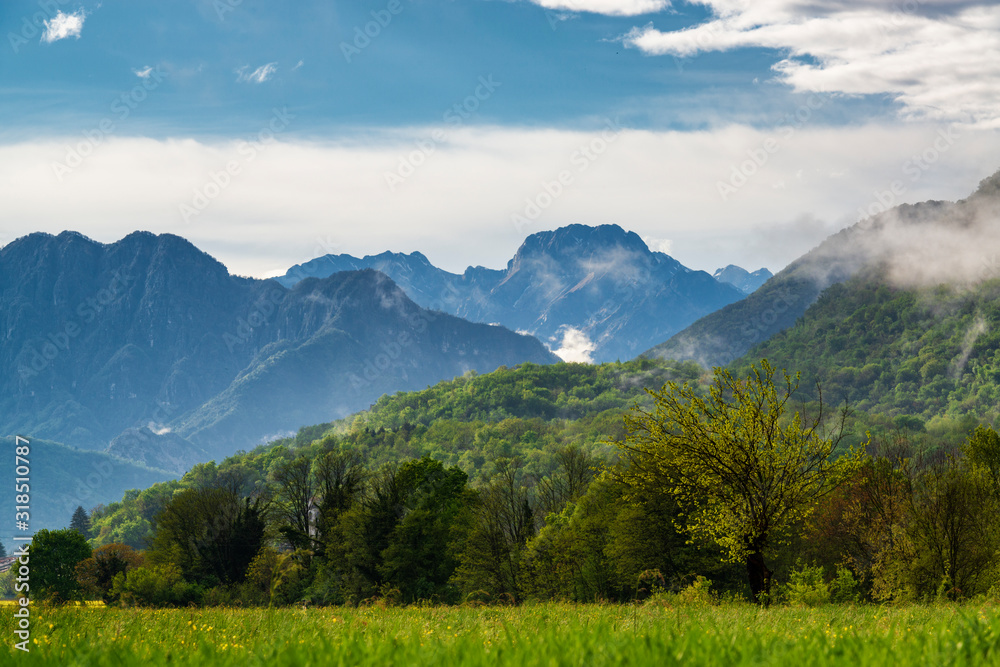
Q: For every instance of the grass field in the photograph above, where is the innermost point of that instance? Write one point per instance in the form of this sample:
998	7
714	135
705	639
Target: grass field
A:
549	634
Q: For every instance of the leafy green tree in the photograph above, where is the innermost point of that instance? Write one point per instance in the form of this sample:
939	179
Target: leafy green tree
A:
211	534
401	533
54	555
983	451
568	558
502	523
570	481
952	530
421	555
364	533
742	467
296	491
96	574
80	521
864	520
339	480
123	525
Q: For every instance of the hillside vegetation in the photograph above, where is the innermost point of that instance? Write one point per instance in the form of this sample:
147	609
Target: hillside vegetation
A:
933	241
927	358
529	412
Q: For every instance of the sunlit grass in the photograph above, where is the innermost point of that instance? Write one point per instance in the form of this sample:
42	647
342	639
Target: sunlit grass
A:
93	604
550	634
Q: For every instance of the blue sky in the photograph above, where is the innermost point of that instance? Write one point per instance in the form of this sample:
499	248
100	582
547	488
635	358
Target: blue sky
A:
558	68
124	114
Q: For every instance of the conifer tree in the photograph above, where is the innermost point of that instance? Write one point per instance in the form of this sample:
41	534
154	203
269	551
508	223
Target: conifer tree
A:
80	521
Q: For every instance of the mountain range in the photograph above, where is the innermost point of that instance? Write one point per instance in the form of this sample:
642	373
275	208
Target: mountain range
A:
151	333
589	293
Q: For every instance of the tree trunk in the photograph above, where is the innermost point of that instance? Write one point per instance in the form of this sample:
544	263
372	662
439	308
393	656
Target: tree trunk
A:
760	578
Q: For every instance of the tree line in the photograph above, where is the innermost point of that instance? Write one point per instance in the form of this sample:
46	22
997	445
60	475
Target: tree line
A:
732	482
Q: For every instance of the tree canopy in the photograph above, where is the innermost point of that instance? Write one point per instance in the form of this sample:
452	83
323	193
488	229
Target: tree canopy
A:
54	556
742	466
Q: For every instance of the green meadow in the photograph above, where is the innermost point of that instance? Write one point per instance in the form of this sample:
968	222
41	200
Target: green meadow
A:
542	634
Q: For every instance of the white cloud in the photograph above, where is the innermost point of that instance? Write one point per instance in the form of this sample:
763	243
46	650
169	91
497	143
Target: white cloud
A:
298	65
63	26
607	7
259	75
937	60
659	245
144	72
295	199
576	347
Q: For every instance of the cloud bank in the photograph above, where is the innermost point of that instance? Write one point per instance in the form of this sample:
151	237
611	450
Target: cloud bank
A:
937	60
266	203
939	243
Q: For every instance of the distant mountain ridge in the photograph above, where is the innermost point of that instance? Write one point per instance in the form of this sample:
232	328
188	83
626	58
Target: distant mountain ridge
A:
152	332
932	242
741	279
601	285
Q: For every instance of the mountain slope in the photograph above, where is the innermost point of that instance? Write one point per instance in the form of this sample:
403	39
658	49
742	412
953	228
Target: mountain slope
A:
344	341
590	292
927	353
63	478
932	242
915	334
151	332
423	282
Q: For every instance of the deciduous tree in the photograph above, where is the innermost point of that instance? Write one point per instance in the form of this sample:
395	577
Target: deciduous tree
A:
96	574
53	556
211	534
743	466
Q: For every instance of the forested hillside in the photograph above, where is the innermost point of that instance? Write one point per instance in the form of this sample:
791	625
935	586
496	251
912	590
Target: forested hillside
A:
529	412
926	244
927	358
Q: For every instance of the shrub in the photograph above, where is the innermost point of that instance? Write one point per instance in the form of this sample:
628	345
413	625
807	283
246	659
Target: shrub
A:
698	592
806	586
844	588
157	586
649	583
